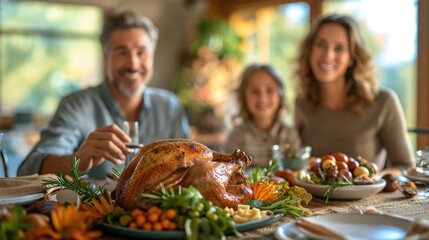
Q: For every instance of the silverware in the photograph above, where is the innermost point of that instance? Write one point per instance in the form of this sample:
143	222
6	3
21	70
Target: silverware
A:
318	229
134	146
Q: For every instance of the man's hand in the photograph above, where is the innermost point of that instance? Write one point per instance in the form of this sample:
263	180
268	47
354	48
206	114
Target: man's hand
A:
107	143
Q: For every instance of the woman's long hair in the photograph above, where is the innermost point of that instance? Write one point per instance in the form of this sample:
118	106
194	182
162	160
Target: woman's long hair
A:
361	82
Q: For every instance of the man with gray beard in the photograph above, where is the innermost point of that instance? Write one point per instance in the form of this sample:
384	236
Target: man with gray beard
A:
88	123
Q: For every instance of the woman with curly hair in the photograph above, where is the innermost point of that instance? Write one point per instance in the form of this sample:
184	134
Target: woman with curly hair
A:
340	107
259	124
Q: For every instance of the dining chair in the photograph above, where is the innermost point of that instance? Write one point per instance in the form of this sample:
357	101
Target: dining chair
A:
419	130
3	157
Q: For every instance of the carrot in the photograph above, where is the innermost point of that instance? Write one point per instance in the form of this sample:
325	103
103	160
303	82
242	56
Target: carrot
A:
140	220
173	226
136	212
170	214
165	224
157	226
133	225
153	217
147	226
154	209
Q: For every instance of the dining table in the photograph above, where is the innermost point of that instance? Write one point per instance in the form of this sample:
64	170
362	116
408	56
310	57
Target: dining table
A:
396	204
390	203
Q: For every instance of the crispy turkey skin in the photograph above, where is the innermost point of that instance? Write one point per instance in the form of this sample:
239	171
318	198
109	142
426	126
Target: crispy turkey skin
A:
181	162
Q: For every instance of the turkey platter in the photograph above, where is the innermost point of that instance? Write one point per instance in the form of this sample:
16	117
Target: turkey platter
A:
180	162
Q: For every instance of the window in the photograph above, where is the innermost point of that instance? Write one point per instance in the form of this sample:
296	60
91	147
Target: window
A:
392	38
272	34
47	50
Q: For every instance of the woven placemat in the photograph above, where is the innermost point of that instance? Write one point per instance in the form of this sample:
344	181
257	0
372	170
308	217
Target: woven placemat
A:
393	203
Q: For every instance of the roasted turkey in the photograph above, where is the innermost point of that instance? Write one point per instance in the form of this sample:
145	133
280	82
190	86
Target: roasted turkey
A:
180	162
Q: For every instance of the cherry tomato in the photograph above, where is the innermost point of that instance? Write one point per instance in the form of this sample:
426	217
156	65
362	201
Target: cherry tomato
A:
352	164
328	157
345	174
315	167
342	165
312	160
341	157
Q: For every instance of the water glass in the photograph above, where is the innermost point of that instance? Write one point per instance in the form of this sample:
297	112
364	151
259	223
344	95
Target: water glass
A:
131	128
3	158
291	158
422	161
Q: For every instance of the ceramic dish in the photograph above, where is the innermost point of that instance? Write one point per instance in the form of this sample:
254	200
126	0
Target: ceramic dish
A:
22	200
352	226
345	192
415	176
138	233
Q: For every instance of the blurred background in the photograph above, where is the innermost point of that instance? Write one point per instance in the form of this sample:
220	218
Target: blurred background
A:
49	48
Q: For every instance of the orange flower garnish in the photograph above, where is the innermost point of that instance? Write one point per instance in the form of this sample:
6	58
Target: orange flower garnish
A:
99	209
104	205
68	223
93	215
265	191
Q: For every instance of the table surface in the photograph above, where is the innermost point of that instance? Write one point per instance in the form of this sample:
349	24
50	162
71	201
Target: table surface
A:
393	203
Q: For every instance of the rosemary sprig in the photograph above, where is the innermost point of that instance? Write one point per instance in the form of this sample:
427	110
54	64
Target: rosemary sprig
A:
86	190
333	187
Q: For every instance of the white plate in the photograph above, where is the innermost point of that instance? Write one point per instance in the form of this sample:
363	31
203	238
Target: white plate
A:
22	200
411	175
344	192
354	226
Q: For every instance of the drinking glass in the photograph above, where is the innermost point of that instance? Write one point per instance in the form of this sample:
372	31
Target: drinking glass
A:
3	157
291	158
131	128
422	161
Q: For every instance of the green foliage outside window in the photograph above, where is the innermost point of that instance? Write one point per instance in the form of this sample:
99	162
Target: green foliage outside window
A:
206	80
47	50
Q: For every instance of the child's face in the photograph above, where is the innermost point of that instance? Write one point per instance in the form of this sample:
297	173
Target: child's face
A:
262	96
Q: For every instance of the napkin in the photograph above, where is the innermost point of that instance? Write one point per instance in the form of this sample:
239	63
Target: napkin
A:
418	230
319	230
21	186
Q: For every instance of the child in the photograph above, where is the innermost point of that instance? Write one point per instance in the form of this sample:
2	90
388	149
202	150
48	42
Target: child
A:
261	100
